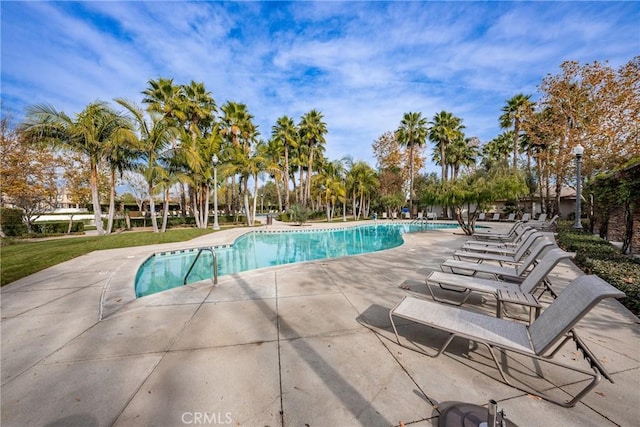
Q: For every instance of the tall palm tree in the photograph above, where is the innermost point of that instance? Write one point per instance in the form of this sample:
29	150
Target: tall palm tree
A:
162	97
312	130
120	154
238	130
445	130
155	135
411	133
285	133
93	129
512	115
462	152
497	150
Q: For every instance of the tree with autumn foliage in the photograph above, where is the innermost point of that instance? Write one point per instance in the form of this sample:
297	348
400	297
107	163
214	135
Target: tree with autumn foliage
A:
28	175
593	105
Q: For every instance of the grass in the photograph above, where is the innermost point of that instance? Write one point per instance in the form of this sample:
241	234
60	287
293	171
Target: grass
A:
21	258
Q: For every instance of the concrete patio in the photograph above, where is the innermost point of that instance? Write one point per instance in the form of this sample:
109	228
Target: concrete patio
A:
306	344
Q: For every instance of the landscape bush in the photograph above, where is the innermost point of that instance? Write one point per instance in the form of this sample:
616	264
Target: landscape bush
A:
595	255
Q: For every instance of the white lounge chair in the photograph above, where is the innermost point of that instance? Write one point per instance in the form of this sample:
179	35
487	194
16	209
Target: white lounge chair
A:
540	341
544	225
511	234
535	243
516	273
500	247
523	292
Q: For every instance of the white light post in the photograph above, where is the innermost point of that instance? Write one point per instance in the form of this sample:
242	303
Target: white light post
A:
216	226
262	203
578	150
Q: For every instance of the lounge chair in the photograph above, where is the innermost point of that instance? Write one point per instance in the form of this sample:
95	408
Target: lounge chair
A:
511	217
526	217
516	273
535	243
542	217
501	290
501	247
511	234
481	217
544	225
496	217
540	341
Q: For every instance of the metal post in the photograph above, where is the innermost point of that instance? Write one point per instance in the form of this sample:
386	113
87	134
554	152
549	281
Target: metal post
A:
578	151
216	226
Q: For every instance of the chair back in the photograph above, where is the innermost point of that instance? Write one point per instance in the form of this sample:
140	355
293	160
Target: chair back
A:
564	312
543	268
526	217
531	236
533	256
542	217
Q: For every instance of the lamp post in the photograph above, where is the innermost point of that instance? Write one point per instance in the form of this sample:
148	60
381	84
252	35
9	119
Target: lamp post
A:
216	226
578	150
262	203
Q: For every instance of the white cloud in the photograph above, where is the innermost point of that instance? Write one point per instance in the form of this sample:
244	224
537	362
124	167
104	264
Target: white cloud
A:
362	64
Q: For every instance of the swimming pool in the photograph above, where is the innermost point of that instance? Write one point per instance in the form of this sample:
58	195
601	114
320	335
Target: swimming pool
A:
260	249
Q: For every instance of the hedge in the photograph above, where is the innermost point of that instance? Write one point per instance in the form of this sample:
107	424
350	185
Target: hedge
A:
595	255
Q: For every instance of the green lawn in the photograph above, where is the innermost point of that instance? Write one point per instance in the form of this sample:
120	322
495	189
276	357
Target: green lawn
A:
19	258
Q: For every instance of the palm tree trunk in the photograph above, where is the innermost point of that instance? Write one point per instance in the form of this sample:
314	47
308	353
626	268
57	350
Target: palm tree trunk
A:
112	201
97	211
285	181
307	191
516	131
165	211
279	194
255	198
152	210
246	203
194	205
411	180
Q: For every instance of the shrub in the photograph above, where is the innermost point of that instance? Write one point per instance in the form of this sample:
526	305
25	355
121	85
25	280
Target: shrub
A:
597	256
11	222
300	214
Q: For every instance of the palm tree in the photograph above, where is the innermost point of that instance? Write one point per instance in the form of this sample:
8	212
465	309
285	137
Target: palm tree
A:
445	130
312	130
155	135
497	150
362	181
120	154
462	152
286	134
412	132
237	129
94	128
513	113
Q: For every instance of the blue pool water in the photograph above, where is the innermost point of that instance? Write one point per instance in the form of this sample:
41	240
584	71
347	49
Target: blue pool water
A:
265	249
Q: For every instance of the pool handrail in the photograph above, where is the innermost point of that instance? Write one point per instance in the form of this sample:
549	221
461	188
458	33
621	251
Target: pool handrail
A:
193	263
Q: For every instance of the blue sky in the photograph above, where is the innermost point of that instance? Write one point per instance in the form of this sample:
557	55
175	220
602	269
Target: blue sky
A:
362	64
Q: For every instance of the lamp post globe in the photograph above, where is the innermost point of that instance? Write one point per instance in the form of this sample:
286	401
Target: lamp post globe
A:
215	160
578	151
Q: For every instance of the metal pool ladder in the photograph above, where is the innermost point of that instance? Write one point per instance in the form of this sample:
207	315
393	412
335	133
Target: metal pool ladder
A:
193	263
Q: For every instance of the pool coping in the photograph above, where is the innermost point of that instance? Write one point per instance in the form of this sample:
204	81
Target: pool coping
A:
119	295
